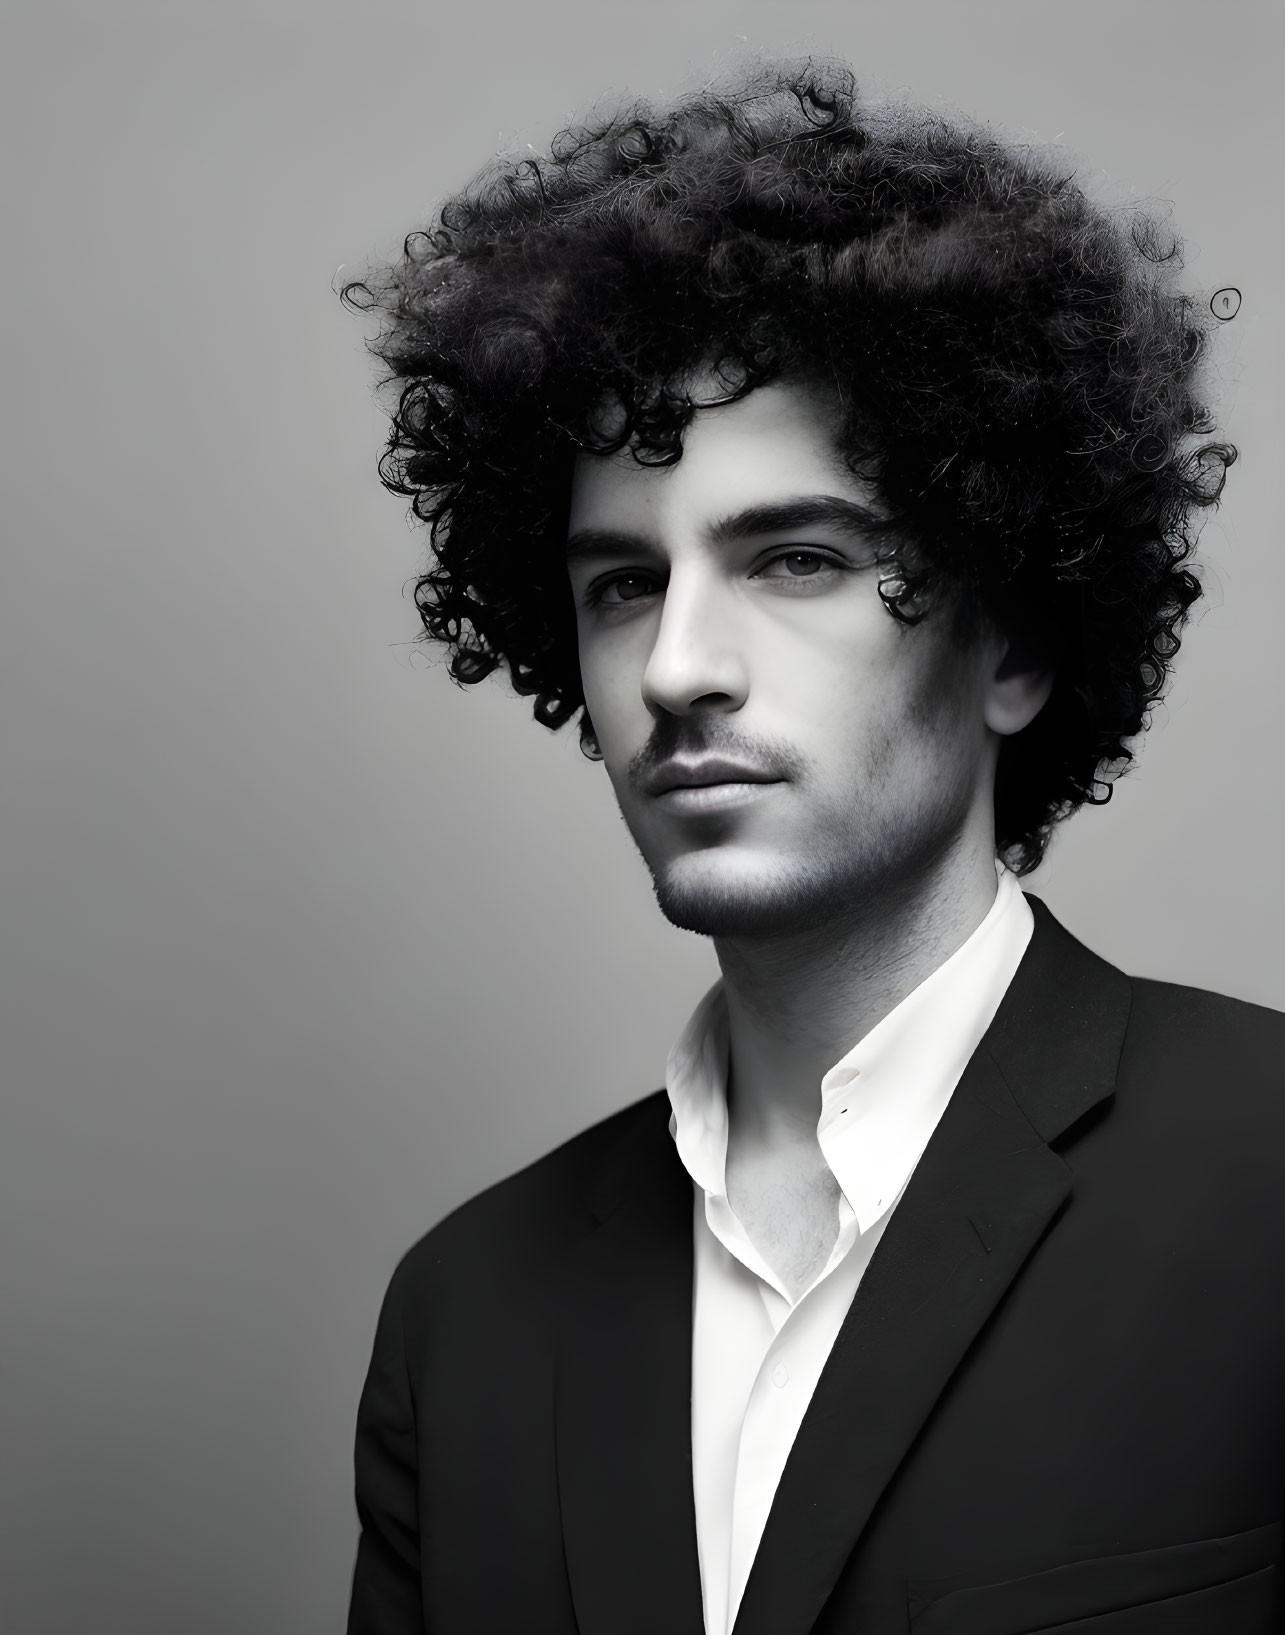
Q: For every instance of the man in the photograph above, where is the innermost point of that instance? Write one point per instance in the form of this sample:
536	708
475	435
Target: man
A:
840	467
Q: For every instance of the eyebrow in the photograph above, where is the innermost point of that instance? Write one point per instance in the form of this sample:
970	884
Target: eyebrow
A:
777	517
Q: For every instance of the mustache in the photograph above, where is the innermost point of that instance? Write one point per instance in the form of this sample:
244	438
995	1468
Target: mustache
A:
691	738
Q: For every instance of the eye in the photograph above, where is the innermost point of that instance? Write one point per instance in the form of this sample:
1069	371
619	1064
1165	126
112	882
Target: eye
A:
614	589
799	564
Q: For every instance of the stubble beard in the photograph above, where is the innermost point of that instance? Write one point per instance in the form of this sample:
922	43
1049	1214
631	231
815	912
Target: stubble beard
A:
861	851
793	900
859	857
853	862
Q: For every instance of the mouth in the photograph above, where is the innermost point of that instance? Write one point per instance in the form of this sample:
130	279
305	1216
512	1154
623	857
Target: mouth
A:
673	776
694	799
695	788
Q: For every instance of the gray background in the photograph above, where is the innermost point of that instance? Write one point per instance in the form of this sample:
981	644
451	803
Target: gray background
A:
302	945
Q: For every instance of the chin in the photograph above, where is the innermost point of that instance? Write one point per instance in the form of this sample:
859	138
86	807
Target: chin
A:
716	904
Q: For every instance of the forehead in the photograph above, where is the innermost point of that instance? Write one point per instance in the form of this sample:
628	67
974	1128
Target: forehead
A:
778	440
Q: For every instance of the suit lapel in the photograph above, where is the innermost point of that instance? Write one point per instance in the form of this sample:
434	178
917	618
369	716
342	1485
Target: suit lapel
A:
983	1195
623	1397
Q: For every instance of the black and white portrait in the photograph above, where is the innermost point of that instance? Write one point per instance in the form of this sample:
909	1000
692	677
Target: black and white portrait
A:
643	889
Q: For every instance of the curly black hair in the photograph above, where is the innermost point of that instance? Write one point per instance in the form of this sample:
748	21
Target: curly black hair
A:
1016	369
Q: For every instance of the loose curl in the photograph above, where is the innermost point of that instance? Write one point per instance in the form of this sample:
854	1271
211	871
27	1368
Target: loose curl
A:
1016	369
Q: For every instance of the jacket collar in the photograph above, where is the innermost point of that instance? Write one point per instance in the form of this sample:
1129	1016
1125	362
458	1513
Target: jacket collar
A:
623	1395
1058	1034
986	1190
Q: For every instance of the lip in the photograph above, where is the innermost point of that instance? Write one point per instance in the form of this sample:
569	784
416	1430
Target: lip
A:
712	772
696	798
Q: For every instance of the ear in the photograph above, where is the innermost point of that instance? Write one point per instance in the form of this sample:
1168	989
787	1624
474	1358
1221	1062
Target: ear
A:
1018	687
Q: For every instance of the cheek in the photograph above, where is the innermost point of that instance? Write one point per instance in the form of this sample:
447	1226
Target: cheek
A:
943	685
892	711
853	696
612	690
595	670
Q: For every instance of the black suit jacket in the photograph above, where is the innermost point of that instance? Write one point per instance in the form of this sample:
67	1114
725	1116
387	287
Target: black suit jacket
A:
1056	1404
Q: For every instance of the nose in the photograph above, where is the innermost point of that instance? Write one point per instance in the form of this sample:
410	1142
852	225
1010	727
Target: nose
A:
697	661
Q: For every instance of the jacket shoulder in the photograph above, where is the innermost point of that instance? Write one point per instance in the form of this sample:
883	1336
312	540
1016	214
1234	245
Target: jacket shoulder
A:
1194	1019
521	1219
1207	1074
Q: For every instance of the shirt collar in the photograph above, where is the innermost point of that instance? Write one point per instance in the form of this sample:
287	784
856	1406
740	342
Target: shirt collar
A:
881	1101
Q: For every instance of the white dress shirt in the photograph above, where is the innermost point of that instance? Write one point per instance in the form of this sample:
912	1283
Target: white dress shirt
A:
757	1354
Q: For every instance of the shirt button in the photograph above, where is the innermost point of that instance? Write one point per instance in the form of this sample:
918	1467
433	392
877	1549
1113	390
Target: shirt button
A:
780	1375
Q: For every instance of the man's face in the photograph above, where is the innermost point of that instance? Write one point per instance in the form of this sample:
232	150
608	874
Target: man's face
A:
783	750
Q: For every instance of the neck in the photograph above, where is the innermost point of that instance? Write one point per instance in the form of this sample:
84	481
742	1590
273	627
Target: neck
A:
799	1001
